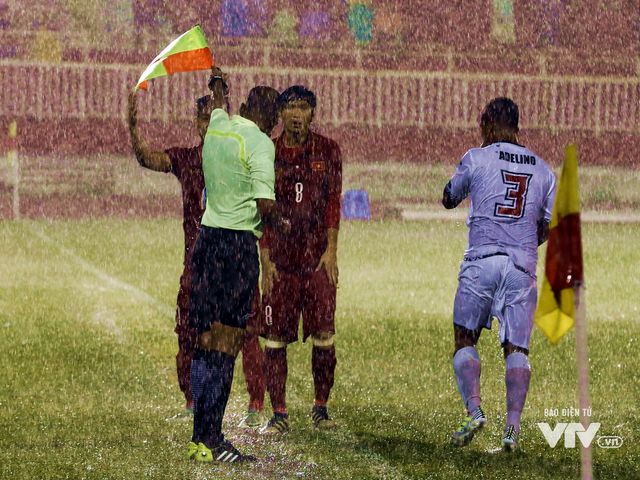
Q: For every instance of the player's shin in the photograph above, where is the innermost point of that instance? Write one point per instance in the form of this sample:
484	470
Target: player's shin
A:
517	376
466	365
253	365
323	365
276	374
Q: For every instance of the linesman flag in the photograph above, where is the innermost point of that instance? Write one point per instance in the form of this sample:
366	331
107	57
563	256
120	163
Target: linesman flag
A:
555	315
187	53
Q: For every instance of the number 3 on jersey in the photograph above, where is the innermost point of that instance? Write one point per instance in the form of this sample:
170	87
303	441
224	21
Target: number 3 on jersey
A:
299	188
515	196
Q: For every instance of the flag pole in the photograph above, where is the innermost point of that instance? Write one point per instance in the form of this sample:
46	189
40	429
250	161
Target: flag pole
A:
15	166
582	359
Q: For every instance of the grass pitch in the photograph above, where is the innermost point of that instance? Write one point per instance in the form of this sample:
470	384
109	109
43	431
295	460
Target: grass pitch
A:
88	378
391	183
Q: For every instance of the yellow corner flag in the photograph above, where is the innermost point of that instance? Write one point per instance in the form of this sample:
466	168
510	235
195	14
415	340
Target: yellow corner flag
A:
187	53
555	315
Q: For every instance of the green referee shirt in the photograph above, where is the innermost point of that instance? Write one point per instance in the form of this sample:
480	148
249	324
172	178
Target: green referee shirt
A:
238	165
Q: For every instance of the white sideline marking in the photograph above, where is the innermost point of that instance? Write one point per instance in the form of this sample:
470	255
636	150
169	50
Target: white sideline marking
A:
110	280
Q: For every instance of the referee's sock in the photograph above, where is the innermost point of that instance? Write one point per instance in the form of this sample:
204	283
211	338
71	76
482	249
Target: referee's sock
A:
211	379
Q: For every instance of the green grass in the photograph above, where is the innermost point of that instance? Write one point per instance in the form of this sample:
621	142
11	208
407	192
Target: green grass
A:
88	377
601	188
390	183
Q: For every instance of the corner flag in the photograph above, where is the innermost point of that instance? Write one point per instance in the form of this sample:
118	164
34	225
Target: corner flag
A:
187	53
556	314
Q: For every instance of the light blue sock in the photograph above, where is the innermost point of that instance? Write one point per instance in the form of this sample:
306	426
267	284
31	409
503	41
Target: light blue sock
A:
517	376
466	365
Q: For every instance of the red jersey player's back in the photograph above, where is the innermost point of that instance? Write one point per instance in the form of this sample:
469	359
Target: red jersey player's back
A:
186	165
308	188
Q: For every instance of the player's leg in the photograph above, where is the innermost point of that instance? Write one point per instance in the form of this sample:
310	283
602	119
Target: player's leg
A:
477	282
187	338
517	323
318	314
253	367
467	366
280	315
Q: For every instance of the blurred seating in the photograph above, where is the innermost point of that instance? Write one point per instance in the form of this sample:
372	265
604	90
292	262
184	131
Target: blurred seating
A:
596	37
5	16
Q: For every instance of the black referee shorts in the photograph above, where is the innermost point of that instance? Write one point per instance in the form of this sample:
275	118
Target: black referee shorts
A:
225	272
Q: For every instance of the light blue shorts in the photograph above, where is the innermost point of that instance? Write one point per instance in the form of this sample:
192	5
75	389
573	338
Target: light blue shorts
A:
494	287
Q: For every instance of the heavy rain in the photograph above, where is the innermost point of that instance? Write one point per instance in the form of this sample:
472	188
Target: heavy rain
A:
409	173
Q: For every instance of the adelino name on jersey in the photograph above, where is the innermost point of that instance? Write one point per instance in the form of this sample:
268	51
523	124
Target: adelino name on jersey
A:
517	158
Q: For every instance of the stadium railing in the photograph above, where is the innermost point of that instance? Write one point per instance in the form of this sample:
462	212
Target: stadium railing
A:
382	98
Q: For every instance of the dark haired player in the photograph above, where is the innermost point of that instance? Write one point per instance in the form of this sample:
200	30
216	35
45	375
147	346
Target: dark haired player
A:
186	165
300	271
512	191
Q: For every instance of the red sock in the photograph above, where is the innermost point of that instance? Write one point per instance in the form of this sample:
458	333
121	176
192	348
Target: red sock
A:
276	373
253	367
183	364
323	365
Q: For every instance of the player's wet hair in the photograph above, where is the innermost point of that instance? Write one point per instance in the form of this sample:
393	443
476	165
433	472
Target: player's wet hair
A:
296	92
502	113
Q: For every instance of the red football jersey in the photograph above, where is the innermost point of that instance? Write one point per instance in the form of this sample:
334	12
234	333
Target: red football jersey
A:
186	165
308	188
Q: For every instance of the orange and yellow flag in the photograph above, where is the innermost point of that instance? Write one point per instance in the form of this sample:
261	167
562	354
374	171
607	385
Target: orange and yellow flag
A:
187	53
555	314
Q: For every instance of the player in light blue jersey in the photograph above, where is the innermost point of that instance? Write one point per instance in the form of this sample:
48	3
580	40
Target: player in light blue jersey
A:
511	191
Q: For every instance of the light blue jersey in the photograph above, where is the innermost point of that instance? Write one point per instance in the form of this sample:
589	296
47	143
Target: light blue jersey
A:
511	190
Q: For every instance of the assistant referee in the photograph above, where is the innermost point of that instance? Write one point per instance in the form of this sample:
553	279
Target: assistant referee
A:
238	165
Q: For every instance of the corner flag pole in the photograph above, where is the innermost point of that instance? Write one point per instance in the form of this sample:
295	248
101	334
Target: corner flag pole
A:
562	304
14	161
582	359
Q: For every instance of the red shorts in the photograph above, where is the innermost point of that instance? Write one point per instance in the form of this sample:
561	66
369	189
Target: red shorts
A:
310	295
186	335
253	324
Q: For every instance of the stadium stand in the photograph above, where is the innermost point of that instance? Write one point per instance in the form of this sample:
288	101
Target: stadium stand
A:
428	67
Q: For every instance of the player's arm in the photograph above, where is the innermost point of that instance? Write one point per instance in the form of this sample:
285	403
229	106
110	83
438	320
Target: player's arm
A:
543	223
155	160
269	270
329	259
219	89
458	187
448	200
543	231
271	217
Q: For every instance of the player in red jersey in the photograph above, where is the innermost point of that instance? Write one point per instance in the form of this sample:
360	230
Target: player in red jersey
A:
186	165
299	269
